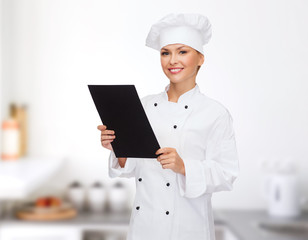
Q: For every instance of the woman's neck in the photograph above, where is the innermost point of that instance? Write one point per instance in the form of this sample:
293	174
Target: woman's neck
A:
177	89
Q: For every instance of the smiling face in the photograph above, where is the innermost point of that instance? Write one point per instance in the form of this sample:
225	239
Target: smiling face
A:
180	62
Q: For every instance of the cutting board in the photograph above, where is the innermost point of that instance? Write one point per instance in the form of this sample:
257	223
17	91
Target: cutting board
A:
59	214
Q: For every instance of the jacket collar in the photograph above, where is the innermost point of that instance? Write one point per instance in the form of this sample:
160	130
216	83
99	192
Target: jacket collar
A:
185	96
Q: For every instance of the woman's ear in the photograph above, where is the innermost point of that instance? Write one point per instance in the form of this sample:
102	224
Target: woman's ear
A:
201	61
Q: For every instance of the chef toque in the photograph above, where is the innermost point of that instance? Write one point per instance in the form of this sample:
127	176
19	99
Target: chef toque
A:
191	29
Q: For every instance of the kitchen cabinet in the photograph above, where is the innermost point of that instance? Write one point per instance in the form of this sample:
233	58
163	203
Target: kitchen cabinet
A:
46	232
34	232
82	231
229	225
86	226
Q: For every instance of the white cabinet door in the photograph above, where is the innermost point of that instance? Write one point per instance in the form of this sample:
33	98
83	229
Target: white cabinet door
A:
36	232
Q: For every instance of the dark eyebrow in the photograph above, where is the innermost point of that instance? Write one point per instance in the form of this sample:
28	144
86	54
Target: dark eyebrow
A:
176	49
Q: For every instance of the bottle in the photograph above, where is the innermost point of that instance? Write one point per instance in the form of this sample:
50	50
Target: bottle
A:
10	139
22	120
20	115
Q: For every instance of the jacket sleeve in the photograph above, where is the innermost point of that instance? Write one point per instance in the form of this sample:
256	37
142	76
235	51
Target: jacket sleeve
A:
115	170
220	167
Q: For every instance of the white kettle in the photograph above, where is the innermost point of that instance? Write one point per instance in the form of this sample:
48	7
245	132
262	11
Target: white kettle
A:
282	193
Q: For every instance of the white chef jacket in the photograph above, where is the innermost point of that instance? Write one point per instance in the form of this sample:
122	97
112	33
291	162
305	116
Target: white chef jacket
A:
169	205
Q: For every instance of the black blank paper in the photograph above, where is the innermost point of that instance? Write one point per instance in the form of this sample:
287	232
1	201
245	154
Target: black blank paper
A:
121	110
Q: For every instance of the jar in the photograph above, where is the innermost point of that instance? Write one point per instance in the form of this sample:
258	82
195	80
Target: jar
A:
76	195
118	197
97	197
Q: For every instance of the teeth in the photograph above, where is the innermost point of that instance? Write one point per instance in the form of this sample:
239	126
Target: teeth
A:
175	70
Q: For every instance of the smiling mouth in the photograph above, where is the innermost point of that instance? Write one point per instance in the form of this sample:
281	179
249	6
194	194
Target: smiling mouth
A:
175	70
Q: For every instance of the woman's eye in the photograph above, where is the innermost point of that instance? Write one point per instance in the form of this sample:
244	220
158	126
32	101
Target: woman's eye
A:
183	52
164	53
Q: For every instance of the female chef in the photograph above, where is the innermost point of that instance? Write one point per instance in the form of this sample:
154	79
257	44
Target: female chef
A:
198	154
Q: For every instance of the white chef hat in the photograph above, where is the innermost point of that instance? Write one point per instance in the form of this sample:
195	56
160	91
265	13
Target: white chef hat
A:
191	29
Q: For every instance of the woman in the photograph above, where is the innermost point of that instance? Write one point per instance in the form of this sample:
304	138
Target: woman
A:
198	154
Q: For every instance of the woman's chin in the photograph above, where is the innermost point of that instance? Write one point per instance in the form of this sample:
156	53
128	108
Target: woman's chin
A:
176	80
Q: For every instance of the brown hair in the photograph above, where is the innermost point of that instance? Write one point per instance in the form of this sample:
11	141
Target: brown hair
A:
198	68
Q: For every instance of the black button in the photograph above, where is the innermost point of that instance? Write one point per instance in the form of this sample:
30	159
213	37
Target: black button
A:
167	212
168	184
174	126
155	104
140	179
186	106
137	207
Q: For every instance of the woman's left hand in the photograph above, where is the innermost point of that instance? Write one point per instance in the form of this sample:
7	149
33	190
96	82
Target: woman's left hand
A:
171	159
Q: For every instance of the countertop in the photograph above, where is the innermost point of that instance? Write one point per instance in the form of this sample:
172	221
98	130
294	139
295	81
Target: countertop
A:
243	223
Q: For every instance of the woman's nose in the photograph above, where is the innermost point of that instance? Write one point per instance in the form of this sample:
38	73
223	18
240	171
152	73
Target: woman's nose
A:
173	59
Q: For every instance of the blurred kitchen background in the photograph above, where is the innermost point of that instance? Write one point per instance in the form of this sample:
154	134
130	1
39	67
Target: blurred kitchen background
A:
255	64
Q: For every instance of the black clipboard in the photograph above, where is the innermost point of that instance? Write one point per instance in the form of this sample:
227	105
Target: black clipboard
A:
121	110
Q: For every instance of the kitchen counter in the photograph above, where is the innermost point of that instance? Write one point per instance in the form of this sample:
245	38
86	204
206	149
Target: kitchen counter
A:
243	224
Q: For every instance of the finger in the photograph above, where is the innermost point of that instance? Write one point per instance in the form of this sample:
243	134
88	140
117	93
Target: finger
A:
167	166
164	150
106	142
107	133
101	127
166	161
158	151
164	156
107	137
111	132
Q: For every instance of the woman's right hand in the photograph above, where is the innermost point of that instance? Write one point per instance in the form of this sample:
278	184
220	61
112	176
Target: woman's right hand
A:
107	136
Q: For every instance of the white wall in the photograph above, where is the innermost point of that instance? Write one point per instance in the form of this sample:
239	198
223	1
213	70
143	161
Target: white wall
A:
1	88
256	65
